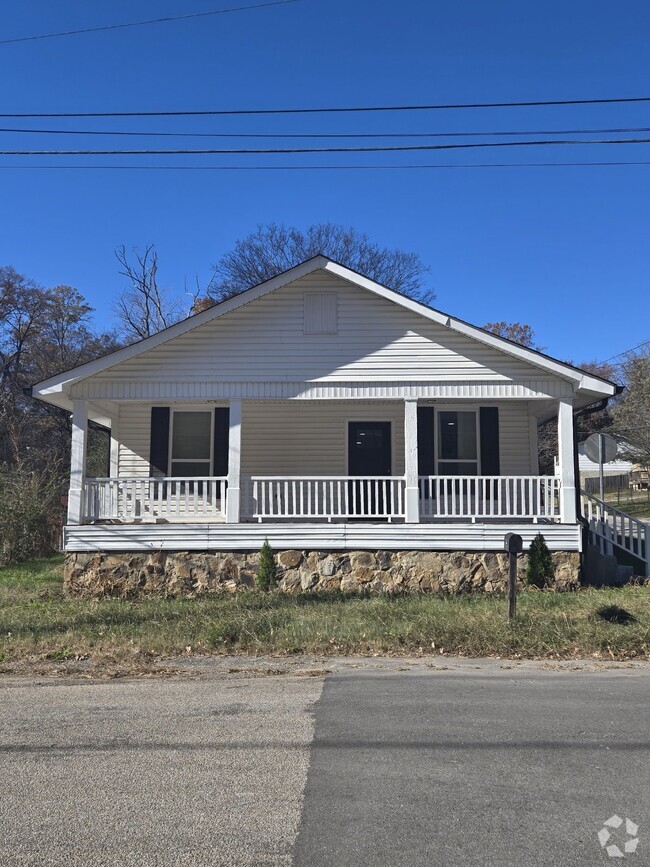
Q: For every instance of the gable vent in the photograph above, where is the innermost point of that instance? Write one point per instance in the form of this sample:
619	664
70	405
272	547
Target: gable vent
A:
320	313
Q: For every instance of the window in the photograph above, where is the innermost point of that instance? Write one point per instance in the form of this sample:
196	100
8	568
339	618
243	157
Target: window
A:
457	443
320	313
191	443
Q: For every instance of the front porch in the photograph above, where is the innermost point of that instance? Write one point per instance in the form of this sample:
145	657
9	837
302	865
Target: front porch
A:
342	472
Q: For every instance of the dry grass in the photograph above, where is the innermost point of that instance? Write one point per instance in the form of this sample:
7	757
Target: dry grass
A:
41	629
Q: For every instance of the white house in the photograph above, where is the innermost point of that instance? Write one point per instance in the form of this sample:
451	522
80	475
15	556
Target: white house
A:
322	411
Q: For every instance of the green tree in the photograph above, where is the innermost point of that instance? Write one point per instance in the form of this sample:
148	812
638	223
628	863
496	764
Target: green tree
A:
267	569
540	570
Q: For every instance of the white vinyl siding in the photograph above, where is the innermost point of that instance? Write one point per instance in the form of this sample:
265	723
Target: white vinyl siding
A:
310	437
376	341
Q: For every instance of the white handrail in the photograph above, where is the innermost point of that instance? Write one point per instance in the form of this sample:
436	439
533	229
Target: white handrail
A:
473	497
323	497
135	497
611	527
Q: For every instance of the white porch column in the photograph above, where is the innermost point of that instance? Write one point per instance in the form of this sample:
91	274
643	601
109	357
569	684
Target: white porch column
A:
115	446
77	461
412	496
565	437
233	497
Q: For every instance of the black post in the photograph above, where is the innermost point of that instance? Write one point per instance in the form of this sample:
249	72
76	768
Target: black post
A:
512	587
513	543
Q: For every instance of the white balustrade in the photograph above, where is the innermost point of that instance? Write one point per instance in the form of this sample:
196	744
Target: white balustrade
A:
609	527
481	497
128	499
323	497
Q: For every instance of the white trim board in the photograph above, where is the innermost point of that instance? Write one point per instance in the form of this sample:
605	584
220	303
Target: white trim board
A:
320	537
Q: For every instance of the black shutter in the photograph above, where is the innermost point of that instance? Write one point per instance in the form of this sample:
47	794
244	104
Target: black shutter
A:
490	465
159	442
426	454
221	437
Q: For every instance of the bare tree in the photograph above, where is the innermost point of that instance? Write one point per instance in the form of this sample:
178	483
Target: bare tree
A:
272	249
631	416
516	331
144	308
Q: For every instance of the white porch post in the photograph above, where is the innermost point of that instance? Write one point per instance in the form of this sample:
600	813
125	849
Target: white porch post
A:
233	497
412	494
77	461
115	446
565	437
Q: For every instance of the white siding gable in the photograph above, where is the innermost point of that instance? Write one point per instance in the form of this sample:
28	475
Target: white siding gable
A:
375	340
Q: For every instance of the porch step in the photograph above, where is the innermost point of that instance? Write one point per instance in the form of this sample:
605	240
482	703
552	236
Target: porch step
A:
604	570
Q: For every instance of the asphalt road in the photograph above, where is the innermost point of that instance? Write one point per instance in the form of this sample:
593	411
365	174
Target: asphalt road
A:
379	763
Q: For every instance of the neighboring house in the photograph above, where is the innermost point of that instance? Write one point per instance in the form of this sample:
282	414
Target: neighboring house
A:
324	412
589	469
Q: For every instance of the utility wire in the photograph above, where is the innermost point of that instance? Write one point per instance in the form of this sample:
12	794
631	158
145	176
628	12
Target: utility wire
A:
337	135
318	150
269	168
627	351
143	23
334	110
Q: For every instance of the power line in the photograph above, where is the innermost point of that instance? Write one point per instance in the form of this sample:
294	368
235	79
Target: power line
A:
318	150
268	168
334	110
143	23
337	135
627	351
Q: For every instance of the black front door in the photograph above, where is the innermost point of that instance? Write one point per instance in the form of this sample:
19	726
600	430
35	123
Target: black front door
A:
369	454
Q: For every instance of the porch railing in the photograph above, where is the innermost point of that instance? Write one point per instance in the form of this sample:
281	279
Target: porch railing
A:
612	529
323	497
139	498
474	497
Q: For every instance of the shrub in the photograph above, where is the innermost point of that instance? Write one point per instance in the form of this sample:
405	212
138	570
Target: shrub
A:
30	523
267	577
540	570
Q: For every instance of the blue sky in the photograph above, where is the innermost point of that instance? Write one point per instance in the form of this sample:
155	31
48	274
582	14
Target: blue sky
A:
564	249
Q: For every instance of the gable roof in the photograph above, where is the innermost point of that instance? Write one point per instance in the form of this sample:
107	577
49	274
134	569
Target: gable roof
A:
583	380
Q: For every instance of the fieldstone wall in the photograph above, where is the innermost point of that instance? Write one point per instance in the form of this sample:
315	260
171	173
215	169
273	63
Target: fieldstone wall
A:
193	574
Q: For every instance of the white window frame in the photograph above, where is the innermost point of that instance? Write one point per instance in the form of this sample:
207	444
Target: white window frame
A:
171	459
437	438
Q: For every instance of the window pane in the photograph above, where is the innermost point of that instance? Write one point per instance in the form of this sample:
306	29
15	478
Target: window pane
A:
189	468
457	468
457	435
191	437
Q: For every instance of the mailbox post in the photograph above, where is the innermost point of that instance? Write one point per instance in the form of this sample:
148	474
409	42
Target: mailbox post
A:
514	545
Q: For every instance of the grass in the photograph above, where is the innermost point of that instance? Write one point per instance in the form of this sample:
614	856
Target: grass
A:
40	625
635	503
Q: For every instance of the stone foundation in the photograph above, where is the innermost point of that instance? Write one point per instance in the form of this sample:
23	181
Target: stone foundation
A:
191	574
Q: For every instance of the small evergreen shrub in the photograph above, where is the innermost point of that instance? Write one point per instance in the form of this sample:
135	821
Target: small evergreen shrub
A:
267	573
540	570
